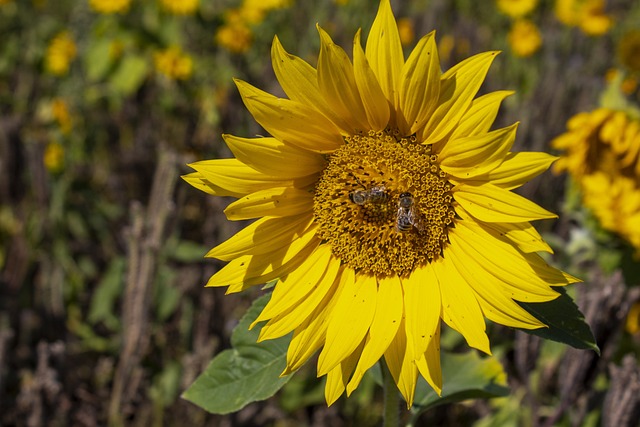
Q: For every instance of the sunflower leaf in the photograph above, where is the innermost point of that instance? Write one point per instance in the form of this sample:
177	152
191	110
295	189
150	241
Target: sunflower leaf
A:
248	372
566	322
465	376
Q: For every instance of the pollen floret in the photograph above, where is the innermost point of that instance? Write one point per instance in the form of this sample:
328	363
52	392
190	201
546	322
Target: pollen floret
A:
365	235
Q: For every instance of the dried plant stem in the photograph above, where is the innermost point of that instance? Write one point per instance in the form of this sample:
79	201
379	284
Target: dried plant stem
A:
145	236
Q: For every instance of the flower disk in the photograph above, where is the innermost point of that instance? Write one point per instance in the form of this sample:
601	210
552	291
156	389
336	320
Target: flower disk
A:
383	209
366	236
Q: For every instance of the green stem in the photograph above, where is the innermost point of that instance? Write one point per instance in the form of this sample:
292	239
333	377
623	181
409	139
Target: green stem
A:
391	398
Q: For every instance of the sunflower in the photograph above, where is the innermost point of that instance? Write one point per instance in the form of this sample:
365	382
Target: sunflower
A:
109	7
601	151
524	38
516	8
180	7
384	206
61	52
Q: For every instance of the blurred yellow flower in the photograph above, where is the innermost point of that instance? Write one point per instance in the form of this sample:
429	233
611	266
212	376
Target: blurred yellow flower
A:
236	34
405	28
108	7
61	51
629	51
524	38
2	2
601	152
246	15
173	63
180	7
53	158
236	38
633	319
61	115
615	200
516	8
588	15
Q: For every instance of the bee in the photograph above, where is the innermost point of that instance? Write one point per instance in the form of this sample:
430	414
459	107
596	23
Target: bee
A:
406	218
375	195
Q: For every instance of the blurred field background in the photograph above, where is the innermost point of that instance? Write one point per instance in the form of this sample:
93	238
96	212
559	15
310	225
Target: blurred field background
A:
104	319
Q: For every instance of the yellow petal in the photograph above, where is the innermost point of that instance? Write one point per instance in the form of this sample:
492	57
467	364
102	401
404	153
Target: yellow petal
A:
373	98
273	202
350	321
480	116
400	360
337	378
517	169
238	179
429	365
521	234
422	307
310	335
384	52
495	305
457	88
468	157
299	80
275	158
198	181
383	329
338	84
509	267
262	237
460	309
291	121
291	289
419	86
489	203
249	270
293	317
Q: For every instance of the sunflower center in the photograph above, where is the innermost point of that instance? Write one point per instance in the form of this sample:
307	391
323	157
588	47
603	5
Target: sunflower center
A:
383	204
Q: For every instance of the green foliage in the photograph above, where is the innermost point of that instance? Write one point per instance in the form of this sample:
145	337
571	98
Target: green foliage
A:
566	322
466	376
246	373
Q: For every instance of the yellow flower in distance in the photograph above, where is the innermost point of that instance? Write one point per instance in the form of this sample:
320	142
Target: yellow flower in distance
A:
516	8
383	206
633	319
405	29
180	7
61	115
601	152
53	158
61	51
524	38
108	7
235	37
588	15
173	63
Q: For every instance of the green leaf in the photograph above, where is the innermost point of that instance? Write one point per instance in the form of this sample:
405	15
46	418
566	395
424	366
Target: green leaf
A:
566	322
188	251
465	376
106	295
130	75
248	372
166	294
98	59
